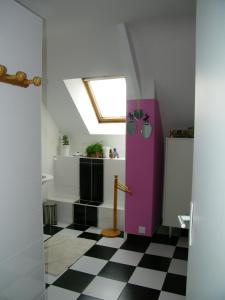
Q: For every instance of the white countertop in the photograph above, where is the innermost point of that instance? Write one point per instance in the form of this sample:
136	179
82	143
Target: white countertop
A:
78	156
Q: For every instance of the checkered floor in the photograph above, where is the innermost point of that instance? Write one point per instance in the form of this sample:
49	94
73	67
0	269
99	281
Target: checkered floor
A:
137	268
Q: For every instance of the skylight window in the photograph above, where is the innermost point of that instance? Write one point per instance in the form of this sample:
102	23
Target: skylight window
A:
108	98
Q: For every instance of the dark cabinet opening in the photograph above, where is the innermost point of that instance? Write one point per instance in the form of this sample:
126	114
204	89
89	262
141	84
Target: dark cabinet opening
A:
91	179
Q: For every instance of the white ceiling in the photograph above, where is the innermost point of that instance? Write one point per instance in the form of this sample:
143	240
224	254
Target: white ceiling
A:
115	11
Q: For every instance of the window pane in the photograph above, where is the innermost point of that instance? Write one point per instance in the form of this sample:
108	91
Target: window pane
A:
110	95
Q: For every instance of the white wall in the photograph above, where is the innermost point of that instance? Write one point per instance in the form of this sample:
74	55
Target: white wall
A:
206	271
50	146
50	139
21	254
83	40
86	50
49	129
165	51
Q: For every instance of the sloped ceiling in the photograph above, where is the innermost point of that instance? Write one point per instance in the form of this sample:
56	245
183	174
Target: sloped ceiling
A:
114	11
82	40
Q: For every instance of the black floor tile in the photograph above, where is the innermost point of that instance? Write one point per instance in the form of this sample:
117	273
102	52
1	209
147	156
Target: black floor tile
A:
78	227
175	284
101	252
117	271
136	243
74	281
165	239
51	230
155	262
84	297
181	253
135	292
90	236
184	232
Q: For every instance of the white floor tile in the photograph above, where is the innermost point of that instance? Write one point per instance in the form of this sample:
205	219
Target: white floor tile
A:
178	266
111	242
56	293
160	250
169	296
183	242
70	232
148	278
89	265
94	230
104	288
127	257
46	236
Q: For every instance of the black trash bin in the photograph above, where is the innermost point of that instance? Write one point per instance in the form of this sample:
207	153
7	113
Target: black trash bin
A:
50	212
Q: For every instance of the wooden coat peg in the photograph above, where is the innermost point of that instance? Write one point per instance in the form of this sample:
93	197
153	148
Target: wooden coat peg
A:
19	79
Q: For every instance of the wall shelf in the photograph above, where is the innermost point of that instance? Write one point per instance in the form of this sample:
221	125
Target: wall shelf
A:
62	199
18	79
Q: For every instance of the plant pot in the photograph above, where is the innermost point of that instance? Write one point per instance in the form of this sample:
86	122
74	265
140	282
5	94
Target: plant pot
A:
66	150
98	154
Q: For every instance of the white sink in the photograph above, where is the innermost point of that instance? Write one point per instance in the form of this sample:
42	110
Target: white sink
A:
46	177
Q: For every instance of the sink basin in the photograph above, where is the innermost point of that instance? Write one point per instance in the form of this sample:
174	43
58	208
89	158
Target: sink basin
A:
46	177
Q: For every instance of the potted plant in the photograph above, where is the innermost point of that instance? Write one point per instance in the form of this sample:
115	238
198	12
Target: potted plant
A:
98	150
95	150
89	150
65	145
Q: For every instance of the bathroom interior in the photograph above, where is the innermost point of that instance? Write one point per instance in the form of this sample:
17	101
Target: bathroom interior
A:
111	129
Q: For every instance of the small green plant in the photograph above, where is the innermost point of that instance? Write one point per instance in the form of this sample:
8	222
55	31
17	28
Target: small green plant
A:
65	140
97	147
94	148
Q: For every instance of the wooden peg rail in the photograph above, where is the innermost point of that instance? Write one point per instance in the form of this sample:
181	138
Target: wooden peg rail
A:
19	79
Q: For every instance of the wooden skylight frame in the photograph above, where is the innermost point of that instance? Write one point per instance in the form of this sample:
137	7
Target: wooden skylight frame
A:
97	110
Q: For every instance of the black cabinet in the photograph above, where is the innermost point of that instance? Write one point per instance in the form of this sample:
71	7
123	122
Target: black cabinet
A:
79	214
85	179
97	181
91	179
85	214
91	192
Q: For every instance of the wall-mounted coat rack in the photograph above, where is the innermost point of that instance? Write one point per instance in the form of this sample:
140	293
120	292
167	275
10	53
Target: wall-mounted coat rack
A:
19	79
